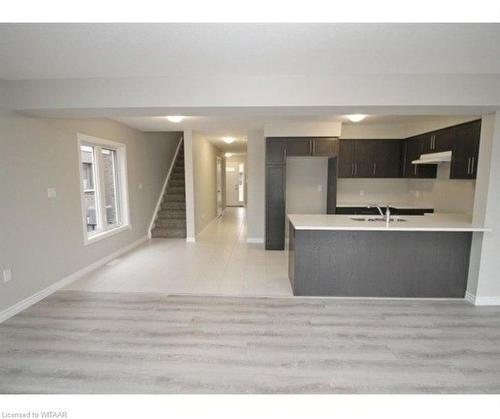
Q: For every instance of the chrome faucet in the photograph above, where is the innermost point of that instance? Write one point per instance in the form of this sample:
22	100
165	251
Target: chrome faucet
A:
387	215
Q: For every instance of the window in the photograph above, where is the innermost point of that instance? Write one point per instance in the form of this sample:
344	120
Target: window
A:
103	181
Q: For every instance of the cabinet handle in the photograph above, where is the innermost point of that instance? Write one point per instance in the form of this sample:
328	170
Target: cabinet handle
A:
310	147
472	166
314	146
415	169
433	142
374	168
355	168
284	154
468	166
352	169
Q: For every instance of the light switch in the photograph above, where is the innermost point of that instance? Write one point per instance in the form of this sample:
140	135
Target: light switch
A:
361	192
51	193
140	185
320	188
7	275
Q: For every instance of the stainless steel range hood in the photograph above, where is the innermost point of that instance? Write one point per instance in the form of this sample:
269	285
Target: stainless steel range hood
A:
434	158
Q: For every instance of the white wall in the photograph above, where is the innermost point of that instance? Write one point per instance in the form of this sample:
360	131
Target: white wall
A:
358	93
256	162
366	191
484	278
302	129
41	239
445	194
306	185
205	181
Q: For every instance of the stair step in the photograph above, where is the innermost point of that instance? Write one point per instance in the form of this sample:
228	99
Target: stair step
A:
176	183
168	233
174	205
177	176
172	214
175	190
171	223
177	197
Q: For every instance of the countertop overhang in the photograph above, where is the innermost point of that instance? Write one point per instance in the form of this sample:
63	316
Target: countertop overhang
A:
431	222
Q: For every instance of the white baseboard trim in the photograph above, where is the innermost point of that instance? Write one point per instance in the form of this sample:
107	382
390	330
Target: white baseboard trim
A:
482	301
470	298
255	240
191	239
487	301
40	295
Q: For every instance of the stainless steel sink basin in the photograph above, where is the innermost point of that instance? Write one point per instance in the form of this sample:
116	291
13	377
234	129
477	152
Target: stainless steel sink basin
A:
378	219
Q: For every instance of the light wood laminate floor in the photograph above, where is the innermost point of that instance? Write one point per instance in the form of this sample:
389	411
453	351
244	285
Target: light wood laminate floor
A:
96	342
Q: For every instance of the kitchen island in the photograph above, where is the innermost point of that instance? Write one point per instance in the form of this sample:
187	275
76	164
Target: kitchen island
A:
361	256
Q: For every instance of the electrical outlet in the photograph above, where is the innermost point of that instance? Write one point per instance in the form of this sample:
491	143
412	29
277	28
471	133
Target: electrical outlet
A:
7	275
361	192
51	193
140	185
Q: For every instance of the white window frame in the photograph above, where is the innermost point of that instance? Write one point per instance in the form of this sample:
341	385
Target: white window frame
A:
122	192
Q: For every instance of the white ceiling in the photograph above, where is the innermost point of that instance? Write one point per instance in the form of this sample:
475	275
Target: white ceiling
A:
71	51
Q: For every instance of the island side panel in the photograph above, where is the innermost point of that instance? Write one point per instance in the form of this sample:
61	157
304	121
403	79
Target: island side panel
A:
381	264
291	253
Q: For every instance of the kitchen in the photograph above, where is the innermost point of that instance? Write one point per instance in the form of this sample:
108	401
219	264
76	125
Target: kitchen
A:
382	209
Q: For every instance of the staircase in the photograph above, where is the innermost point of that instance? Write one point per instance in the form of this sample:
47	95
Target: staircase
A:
171	218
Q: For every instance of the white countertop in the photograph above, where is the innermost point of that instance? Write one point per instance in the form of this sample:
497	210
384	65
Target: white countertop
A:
400	205
429	222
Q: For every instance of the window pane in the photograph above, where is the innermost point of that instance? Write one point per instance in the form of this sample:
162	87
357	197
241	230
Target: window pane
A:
91	204
110	181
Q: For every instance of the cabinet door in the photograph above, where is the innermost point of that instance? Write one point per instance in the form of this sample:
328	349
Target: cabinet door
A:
364	158
413	150
345	161
387	159
475	148
426	143
275	207
325	147
298	147
444	140
465	151
275	150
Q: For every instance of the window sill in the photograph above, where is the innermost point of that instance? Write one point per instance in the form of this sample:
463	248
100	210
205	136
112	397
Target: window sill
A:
106	234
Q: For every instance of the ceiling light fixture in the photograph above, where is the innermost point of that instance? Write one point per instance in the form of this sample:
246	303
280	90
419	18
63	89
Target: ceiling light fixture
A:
175	118
356	117
228	140
228	154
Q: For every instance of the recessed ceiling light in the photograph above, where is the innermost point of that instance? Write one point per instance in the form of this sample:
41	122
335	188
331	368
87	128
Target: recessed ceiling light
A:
356	117
175	118
229	140
228	154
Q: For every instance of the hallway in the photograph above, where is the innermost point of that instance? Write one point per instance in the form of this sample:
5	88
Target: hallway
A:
221	262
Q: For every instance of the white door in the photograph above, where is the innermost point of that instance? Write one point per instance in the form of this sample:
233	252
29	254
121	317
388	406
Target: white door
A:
219	186
233	185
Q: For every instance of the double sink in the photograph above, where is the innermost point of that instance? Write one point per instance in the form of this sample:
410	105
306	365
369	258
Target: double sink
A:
378	219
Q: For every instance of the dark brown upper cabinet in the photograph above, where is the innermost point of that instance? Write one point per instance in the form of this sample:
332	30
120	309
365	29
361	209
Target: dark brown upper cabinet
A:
414	147
465	151
298	147
346	158
303	147
325	147
276	151
370	158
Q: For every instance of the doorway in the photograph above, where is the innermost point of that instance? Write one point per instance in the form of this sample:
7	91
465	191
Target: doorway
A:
220	205
235	184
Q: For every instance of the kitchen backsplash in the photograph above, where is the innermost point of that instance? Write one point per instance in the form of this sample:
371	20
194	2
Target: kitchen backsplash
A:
442	194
